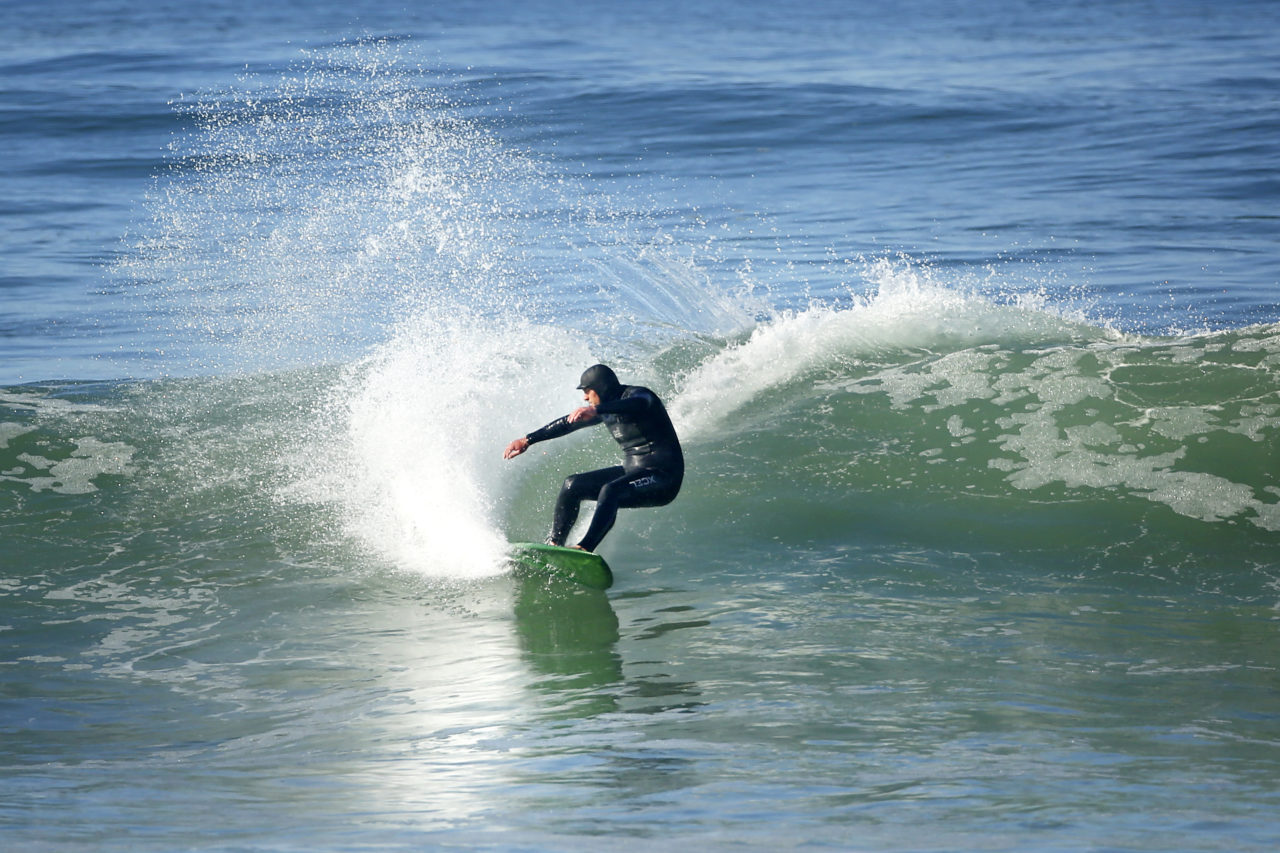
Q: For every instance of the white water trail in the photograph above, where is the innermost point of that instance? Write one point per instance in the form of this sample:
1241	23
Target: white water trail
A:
412	460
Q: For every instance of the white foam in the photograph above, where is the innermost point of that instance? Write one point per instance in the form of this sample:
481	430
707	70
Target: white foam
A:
910	308
10	431
413	461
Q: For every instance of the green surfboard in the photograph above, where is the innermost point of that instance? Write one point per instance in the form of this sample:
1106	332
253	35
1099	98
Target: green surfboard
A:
583	567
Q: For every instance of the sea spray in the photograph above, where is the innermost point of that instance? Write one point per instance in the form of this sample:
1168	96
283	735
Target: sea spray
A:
408	451
347	214
304	214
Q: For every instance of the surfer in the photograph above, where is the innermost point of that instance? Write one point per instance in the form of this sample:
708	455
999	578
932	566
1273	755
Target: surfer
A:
652	464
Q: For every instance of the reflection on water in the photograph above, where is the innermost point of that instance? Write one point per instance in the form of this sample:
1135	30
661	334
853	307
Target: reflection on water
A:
568	634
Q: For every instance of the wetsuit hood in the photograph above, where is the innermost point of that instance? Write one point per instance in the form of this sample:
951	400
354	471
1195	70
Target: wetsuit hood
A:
601	379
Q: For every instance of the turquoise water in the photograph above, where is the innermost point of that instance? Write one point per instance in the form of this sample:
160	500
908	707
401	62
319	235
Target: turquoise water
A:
966	317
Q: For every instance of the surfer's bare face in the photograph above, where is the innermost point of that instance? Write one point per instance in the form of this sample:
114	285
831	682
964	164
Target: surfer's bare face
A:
590	395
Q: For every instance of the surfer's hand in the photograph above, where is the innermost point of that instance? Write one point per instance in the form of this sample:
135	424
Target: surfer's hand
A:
586	413
515	448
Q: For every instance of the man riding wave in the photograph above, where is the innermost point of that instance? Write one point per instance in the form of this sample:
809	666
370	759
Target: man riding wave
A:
652	466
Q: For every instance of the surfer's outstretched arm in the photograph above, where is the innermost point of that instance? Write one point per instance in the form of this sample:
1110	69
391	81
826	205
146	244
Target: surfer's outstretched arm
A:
585	416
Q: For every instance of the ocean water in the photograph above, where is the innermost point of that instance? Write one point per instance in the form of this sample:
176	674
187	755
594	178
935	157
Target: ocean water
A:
967	315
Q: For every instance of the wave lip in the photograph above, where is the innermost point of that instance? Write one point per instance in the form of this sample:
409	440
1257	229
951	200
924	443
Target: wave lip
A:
909	311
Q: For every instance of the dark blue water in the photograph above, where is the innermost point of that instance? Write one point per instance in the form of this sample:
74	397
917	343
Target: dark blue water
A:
966	314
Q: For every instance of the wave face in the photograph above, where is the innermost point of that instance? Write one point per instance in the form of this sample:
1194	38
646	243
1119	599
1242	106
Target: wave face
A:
1011	427
928	390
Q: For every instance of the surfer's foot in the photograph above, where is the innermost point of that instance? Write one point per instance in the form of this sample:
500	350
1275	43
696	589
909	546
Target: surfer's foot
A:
579	547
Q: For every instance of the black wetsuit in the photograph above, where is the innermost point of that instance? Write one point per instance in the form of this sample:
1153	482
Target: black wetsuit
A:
650	474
